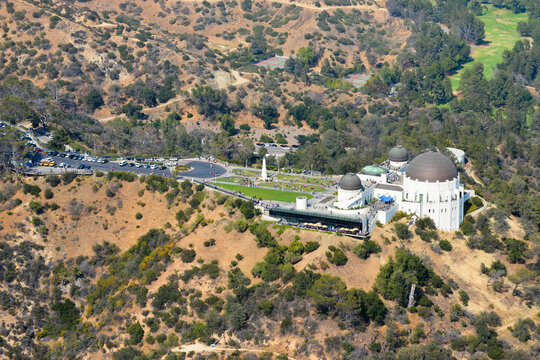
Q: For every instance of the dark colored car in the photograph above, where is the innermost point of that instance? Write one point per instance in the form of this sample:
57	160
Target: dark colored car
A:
80	167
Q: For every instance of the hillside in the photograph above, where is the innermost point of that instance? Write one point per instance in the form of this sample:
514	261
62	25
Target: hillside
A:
152	53
104	253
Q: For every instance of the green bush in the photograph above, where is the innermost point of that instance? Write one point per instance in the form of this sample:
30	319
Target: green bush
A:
36	221
210	242
445	245
36	207
336	257
402	231
366	248
138	216
31	189
311	246
53	180
135	332
48	194
241	225
188	255
464	297
121	175
67	178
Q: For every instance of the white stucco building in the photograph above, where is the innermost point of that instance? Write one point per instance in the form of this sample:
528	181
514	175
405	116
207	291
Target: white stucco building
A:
427	186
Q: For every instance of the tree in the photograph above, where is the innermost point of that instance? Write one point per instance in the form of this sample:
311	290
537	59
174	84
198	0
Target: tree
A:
15	109
67	313
210	102
402	231
306	55
129	353
267	113
135	332
326	292
227	124
425	352
474	85
520	277
94	100
236	314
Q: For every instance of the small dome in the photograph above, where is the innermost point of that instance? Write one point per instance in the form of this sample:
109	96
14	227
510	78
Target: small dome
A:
374	170
398	154
350	182
431	166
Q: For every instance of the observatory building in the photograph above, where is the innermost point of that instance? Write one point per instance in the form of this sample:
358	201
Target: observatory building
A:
429	185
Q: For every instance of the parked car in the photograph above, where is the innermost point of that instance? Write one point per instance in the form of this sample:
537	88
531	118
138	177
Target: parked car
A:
123	163
80	167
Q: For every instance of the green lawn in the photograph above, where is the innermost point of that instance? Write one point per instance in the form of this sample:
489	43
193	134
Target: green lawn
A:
501	33
266	194
291	186
231	179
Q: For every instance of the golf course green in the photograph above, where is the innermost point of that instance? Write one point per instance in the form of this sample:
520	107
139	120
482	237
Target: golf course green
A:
501	34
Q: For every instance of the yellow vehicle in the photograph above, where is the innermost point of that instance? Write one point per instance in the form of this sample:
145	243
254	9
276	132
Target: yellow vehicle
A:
47	162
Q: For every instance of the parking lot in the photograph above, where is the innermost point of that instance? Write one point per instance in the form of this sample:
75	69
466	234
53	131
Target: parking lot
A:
110	166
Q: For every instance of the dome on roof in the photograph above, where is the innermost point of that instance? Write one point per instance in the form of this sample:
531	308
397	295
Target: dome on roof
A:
373	170
398	154
350	182
431	166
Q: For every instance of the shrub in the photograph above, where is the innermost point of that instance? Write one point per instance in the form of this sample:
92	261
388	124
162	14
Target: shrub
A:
31	189
464	297
337	257
516	250
36	221
241	225
36	207
135	332
210	242
48	194
402	231
366	248
138	216
67	178
188	255
445	245
311	246
121	175
110	193
53	180
521	329
199	187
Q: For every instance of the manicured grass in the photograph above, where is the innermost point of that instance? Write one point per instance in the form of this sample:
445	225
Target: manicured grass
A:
266	194
231	179
288	186
249	173
501	33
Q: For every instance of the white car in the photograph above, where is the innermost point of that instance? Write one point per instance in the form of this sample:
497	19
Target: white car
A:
153	167
123	163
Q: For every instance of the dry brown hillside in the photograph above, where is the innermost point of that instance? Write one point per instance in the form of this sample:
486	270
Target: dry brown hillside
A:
206	256
151	53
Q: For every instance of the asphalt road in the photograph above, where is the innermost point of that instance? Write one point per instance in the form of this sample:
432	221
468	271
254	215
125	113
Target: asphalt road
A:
111	166
203	170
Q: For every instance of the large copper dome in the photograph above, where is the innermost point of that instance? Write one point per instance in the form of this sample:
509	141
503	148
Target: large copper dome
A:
431	166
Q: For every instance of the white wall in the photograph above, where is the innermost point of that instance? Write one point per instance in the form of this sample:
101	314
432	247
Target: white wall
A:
441	201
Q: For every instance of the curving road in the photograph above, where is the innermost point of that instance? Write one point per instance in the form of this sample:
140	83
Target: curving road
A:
203	170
